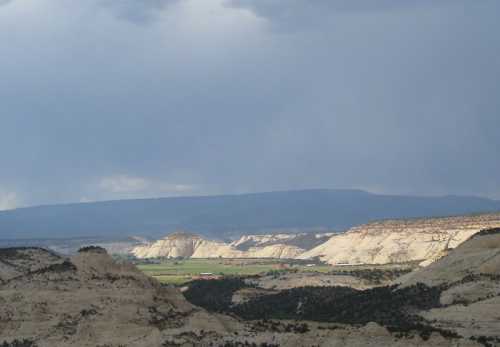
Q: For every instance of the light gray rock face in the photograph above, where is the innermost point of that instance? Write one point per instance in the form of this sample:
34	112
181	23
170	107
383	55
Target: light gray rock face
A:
399	241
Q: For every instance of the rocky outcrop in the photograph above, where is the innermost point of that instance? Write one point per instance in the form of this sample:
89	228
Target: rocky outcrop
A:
469	277
89	300
399	241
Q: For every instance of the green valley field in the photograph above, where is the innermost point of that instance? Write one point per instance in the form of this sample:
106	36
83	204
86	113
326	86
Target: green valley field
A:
178	272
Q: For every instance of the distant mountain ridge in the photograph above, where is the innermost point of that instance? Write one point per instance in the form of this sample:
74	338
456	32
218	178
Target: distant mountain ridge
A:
219	217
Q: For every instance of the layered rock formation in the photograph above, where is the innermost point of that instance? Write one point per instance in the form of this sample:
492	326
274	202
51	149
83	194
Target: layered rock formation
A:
193	246
398	241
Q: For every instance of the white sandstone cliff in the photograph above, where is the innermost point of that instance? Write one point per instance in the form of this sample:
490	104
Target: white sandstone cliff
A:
193	246
399	241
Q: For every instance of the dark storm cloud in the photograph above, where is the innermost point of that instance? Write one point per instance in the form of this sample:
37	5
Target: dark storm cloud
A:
137	11
299	14
391	101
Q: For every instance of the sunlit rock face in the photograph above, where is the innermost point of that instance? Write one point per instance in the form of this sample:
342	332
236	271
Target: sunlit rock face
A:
399	241
189	245
185	245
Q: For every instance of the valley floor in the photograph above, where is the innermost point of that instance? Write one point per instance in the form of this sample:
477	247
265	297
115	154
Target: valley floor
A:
268	272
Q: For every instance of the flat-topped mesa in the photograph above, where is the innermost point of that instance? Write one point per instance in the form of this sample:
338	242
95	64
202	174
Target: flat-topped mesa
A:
435	224
397	241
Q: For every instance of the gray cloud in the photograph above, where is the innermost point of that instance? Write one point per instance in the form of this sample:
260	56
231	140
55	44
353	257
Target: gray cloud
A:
294	14
278	8
95	108
140	12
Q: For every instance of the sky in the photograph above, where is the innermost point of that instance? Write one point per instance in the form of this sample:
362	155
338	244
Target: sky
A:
117	99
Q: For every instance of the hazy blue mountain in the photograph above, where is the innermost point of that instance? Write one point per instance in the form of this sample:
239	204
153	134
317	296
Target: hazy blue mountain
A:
219	216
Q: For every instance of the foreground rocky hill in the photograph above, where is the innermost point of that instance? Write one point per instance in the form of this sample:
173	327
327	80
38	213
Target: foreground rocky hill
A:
90	300
398	241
